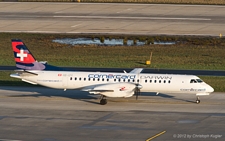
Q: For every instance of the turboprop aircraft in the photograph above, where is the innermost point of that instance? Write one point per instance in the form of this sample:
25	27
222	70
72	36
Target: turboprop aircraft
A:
105	84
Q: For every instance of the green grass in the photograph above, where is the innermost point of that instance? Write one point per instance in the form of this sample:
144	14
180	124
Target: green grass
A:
188	55
216	82
192	53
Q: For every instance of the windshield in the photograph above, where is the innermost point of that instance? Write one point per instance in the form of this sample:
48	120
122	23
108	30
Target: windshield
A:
196	81
199	80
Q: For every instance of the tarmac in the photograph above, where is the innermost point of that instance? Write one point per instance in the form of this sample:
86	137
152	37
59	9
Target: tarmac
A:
112	18
43	114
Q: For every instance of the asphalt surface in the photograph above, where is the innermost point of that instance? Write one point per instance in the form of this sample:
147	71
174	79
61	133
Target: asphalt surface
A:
158	71
112	18
42	114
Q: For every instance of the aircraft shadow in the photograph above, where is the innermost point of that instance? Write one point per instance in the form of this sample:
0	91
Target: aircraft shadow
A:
166	96
40	91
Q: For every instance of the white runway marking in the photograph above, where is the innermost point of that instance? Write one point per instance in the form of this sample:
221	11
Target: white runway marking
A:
75	25
146	18
58	12
9	140
124	10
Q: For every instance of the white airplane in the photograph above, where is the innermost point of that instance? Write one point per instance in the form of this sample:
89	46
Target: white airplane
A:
103	83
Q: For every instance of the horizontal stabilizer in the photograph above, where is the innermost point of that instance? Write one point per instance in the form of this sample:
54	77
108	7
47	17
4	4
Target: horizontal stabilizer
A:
15	75
25	72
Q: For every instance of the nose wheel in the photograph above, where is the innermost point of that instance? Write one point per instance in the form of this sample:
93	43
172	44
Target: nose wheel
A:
198	100
103	100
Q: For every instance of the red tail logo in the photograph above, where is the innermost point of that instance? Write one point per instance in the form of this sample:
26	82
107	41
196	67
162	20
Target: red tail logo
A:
21	53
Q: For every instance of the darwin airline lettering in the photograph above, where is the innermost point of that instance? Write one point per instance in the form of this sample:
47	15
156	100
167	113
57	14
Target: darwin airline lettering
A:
111	76
156	77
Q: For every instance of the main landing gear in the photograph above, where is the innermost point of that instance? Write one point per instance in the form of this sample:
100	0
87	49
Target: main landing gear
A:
198	100
103	100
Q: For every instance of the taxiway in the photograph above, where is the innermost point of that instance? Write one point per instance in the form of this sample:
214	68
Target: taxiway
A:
37	113
112	18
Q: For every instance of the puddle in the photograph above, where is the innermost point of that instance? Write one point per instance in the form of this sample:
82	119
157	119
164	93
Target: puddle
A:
106	42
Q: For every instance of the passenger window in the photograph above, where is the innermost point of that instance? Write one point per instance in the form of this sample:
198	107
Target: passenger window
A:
169	81
164	81
98	79
71	78
107	79
84	79
159	81
119	80
89	79
133	80
102	79
114	80
138	80
93	79
146	81
155	81
75	78
150	81
128	80
124	80
80	79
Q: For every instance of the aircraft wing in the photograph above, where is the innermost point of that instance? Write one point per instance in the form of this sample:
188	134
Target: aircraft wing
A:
136	70
112	89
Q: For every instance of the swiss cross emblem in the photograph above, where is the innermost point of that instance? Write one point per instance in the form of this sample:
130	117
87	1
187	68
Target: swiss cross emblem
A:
22	55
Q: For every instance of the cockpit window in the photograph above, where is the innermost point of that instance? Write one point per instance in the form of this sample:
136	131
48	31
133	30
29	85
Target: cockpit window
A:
199	80
196	81
193	81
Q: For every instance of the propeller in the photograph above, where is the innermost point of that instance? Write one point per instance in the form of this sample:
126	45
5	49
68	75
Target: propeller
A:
137	91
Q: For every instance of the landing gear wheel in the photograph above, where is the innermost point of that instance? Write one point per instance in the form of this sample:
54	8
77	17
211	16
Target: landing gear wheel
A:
198	101
103	101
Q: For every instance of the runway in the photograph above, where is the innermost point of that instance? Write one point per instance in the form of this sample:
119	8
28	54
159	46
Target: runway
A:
112	18
42	114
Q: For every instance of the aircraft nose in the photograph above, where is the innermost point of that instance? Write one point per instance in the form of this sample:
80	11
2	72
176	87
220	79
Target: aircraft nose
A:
210	89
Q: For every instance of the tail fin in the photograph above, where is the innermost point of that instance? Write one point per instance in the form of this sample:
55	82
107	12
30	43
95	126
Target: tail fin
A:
23	57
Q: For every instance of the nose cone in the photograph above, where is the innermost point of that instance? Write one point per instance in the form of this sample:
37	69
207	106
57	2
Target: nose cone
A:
210	89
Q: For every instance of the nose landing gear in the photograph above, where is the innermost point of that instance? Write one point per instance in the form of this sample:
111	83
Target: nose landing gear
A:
198	100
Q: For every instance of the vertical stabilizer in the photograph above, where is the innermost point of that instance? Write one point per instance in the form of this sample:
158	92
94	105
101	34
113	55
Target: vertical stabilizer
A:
23	57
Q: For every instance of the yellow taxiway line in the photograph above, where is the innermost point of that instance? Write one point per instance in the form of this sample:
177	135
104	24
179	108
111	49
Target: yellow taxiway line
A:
155	136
